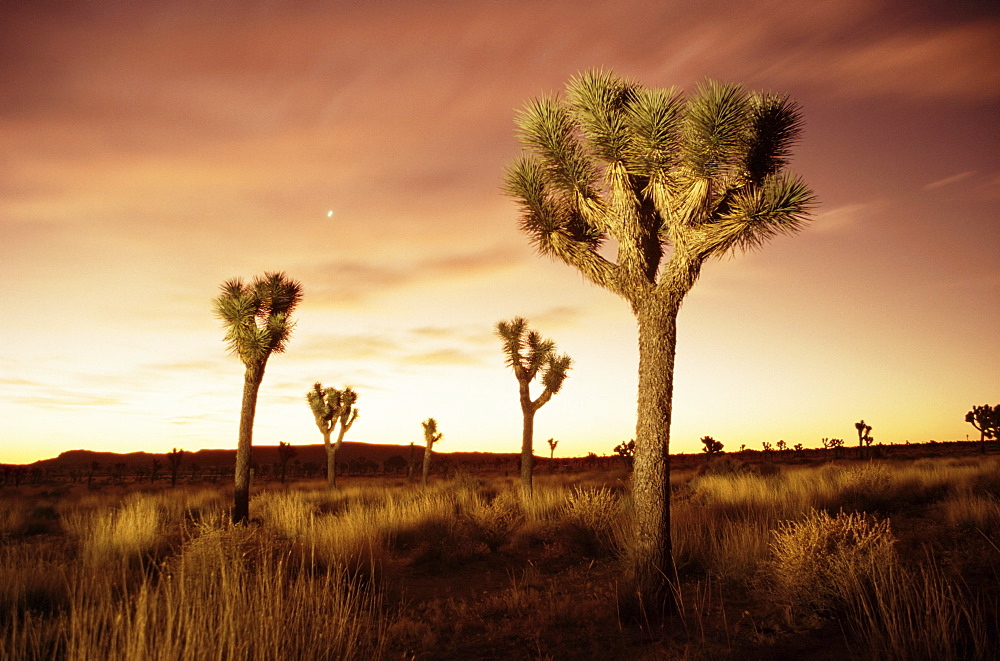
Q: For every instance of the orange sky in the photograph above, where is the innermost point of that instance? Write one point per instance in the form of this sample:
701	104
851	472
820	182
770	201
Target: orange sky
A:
149	151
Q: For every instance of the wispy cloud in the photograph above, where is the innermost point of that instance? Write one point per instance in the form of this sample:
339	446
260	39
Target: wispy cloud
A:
353	281
441	357
948	181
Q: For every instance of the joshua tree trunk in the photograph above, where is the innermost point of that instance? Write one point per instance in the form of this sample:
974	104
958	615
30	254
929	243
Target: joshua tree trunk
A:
244	450
651	468
331	461
527	436
427	464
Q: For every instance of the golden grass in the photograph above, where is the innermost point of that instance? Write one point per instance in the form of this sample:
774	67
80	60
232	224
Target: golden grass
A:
162	574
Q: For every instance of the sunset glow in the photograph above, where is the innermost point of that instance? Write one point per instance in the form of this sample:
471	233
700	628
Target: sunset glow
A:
152	151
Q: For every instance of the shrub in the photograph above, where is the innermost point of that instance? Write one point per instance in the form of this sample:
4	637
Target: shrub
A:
821	562
495	522
593	514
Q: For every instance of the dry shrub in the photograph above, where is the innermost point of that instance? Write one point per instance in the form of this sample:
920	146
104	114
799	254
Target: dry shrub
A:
866	488
495	522
594	516
821	562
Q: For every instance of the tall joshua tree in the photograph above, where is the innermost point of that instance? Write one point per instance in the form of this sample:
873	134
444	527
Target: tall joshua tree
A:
674	180
431	436
330	406
258	322
864	437
530	355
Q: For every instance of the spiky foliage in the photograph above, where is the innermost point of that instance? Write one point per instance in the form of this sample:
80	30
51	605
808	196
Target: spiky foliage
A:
286	452
864	437
552	448
674	181
531	355
258	323
986	419
711	446
431	436
330	407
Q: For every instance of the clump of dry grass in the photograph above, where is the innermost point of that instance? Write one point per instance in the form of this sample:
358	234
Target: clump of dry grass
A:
973	511
496	521
820	563
916	614
105	537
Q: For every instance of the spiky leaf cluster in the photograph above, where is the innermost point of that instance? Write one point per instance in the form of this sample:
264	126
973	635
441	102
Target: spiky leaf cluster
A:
658	172
986	419
431	434
330	405
529	354
257	315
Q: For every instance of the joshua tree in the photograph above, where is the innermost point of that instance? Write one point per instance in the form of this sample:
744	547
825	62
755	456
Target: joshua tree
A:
674	181
529	354
431	436
257	319
626	450
174	461
986	419
864	438
285	454
330	406
552	448
712	446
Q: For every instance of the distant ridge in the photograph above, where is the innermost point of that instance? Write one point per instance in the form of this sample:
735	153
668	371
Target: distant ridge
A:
262	454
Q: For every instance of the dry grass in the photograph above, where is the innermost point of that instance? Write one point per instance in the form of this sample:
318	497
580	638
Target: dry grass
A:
471	567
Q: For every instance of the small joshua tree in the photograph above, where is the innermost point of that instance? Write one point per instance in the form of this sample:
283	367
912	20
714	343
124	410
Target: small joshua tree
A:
409	462
864	438
782	446
431	436
986	419
626	450
552	448
174	461
285	454
330	406
154	472
711	446
529	354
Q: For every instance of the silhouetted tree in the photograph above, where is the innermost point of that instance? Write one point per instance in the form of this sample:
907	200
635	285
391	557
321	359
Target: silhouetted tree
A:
625	450
986	419
529	354
409	462
674	182
711	446
552	448
395	464
258	323
94	467
285	454
431	436
174	461
330	406
863	437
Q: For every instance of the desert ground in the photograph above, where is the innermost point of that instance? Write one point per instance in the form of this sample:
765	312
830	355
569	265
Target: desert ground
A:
778	556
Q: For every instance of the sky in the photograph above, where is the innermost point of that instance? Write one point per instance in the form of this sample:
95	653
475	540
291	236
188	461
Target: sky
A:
151	151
